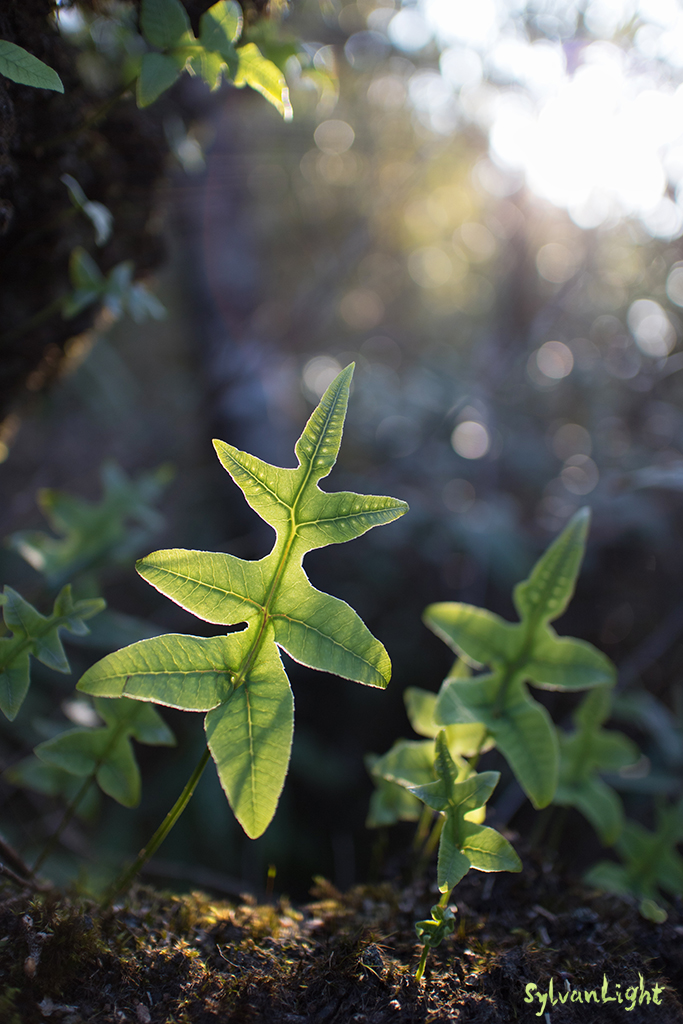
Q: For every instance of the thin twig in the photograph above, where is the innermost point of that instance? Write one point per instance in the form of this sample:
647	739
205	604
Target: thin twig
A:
7	853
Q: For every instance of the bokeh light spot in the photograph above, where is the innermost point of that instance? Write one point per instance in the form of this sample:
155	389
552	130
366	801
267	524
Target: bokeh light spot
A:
362	309
674	284
459	495
650	326
571	439
334	136
470	440
556	263
318	374
430	266
580	474
554	359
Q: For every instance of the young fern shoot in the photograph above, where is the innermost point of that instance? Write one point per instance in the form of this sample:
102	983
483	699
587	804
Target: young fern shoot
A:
238	679
465	843
519	652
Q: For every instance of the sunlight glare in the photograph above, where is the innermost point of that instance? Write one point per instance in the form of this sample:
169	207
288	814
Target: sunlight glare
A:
602	138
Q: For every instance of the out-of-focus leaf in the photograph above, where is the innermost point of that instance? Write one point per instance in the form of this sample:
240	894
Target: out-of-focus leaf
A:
91	534
22	67
36	635
158	72
263	76
163	22
107	753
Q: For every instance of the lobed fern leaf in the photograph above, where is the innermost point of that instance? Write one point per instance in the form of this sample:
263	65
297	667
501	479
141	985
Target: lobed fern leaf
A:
239	679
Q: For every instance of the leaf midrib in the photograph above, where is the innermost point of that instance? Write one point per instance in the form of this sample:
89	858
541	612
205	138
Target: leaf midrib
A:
284	557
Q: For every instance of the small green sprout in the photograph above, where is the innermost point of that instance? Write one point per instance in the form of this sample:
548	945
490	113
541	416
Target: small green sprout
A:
464	843
117	292
68	764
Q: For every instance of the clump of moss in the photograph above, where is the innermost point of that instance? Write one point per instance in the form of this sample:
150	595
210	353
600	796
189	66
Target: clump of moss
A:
160	958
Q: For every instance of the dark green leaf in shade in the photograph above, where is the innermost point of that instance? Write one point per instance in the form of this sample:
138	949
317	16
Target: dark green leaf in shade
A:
650	863
584	754
36	635
106	753
22	67
92	534
158	73
163	22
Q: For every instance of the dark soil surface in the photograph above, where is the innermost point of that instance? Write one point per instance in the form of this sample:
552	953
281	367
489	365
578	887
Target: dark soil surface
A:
339	959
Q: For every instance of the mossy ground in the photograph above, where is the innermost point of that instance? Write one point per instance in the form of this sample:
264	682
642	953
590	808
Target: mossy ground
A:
340	959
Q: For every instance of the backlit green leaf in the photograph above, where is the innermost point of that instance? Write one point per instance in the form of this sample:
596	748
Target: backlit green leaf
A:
483	637
220	27
264	76
239	679
566	664
210	65
390	802
488	850
21	66
409	762
464	843
548	591
521	728
519	652
465	740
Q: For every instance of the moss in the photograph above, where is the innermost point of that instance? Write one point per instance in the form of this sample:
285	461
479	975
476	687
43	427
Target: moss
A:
340	958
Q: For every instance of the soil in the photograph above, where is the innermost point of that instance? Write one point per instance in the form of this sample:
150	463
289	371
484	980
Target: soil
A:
342	958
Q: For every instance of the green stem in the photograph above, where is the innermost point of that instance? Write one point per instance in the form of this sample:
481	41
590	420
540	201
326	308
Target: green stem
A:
560	818
430	845
540	828
68	815
443	902
73	806
98	115
157	839
37	320
422	830
422	964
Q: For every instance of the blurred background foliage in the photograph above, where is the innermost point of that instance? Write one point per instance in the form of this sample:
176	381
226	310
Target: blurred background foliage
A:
482	205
